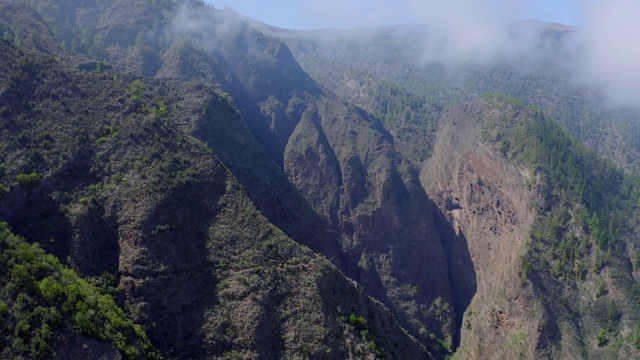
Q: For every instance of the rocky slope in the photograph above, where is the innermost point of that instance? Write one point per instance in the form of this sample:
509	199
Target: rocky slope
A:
103	164
484	198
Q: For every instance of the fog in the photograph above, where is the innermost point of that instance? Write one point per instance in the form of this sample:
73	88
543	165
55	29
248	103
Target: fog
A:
602	51
464	30
611	58
210	28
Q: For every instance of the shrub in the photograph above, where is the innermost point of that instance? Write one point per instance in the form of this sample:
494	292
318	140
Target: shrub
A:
161	109
3	308
357	322
45	298
136	93
29	180
602	338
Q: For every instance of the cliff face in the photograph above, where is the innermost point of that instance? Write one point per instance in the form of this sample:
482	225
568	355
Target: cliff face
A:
484	198
370	197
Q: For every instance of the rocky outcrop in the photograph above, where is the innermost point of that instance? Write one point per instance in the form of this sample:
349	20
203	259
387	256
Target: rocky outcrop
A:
371	198
484	199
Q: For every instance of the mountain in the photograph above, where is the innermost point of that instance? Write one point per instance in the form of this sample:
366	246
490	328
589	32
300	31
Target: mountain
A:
538	66
117	184
234	190
542	274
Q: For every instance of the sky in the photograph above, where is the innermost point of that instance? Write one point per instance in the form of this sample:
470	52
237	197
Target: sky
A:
313	14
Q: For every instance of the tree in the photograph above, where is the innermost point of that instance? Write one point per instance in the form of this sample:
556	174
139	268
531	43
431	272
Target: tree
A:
29	180
136	92
602	338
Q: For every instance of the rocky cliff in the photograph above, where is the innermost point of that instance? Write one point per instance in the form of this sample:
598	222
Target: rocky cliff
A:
483	196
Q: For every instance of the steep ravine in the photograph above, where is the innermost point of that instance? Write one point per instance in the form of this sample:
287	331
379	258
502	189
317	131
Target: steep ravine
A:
370	197
120	187
483	197
372	218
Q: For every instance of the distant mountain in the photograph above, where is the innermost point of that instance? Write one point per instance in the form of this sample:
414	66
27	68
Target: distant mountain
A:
539	68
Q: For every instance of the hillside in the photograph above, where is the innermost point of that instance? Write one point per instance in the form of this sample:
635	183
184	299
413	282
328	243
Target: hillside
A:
99	167
542	75
235	190
551	229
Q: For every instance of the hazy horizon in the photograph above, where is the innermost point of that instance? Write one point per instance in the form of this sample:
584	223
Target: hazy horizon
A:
316	14
475	30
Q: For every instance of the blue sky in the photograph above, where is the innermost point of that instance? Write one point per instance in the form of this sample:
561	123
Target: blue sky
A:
310	14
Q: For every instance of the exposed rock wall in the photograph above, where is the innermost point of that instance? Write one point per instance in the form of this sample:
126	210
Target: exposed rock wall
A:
484	199
371	198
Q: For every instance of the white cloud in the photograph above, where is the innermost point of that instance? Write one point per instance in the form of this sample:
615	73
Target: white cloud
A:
605	50
460	30
610	39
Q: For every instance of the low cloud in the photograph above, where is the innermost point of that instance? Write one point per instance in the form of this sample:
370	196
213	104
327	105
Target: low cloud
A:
611	55
459	30
462	30
207	27
602	51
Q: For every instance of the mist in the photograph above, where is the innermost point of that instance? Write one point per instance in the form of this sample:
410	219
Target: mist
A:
464	30
601	51
609	39
459	30
209	28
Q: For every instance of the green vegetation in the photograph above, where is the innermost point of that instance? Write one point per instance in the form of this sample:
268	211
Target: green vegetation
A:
586	215
585	200
602	288
29	180
602	339
359	323
136	94
161	109
40	297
